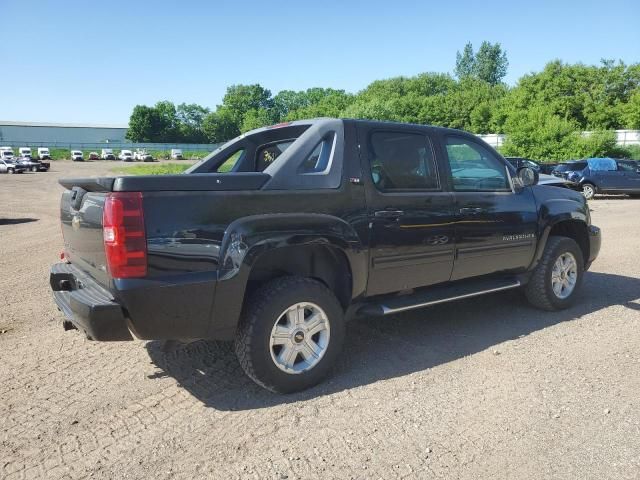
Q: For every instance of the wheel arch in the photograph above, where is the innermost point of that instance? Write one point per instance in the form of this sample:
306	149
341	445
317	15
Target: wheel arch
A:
257	249
575	229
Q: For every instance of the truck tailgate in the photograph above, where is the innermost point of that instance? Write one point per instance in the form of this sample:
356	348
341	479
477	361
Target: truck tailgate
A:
81	216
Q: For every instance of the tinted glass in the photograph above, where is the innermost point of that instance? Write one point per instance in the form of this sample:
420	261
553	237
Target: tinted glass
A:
627	166
318	160
575	167
474	167
267	154
402	161
230	161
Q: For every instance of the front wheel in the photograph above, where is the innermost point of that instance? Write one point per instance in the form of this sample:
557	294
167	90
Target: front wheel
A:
10	170
558	276
588	190
290	335
34	169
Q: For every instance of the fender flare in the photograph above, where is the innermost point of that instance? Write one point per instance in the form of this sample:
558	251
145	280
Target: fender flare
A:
247	239
551	214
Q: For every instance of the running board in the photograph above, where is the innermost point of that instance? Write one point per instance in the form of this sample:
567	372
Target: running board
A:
438	294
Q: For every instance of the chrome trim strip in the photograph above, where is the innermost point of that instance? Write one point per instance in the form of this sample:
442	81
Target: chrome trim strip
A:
387	311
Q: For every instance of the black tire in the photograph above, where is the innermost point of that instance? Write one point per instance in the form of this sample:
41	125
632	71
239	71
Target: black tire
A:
589	190
263	310
539	290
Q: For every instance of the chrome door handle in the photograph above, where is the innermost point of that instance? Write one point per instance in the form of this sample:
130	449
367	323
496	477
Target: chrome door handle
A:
388	213
472	210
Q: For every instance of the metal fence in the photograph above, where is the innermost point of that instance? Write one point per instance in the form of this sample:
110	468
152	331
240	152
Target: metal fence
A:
185	147
624	138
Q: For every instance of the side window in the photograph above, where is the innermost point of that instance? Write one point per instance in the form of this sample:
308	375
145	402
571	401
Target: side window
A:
231	161
402	161
627	167
266	154
474	167
318	160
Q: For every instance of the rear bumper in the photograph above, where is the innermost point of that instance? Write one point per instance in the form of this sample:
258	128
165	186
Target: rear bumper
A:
595	241
174	308
89	307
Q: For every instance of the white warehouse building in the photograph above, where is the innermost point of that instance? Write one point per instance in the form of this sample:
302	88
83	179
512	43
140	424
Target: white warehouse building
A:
13	133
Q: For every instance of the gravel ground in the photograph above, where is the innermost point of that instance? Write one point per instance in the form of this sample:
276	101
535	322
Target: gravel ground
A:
485	388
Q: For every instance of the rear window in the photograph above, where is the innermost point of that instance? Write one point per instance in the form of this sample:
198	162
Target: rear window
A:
267	154
575	167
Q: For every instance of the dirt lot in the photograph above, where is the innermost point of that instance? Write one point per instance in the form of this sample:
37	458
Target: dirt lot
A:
486	388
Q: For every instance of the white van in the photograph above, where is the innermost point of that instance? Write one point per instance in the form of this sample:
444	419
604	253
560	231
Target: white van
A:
176	154
126	155
6	153
43	153
107	154
24	152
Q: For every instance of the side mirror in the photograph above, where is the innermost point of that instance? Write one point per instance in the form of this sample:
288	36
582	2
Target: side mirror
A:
528	176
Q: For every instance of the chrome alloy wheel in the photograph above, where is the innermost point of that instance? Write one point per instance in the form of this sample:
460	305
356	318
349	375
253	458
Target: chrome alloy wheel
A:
564	275
588	191
300	338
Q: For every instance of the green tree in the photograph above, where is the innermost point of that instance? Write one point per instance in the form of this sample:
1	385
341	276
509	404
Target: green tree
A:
465	62
539	133
220	126
256	118
631	112
239	99
169	130
491	63
190	118
145	124
488	64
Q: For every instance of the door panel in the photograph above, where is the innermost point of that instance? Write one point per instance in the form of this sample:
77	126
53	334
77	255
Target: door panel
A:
499	236
495	227
413	248
411	232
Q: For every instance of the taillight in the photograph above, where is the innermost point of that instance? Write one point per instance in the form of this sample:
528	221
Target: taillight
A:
125	242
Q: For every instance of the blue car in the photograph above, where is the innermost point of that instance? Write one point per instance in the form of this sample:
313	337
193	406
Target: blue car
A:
606	175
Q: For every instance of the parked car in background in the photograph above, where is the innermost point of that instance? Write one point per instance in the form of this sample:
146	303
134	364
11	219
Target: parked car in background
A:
606	175
9	166
32	164
553	181
94	156
142	155
176	154
107	154
6	153
24	152
77	156
563	169
518	162
547	168
43	153
126	156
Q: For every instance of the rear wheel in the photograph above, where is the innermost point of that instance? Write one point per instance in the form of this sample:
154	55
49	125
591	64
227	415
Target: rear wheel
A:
558	276
588	190
290	335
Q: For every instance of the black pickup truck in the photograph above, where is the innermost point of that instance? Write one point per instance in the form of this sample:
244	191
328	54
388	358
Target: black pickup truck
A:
312	223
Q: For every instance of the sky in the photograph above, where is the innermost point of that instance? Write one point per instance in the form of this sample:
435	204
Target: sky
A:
93	61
